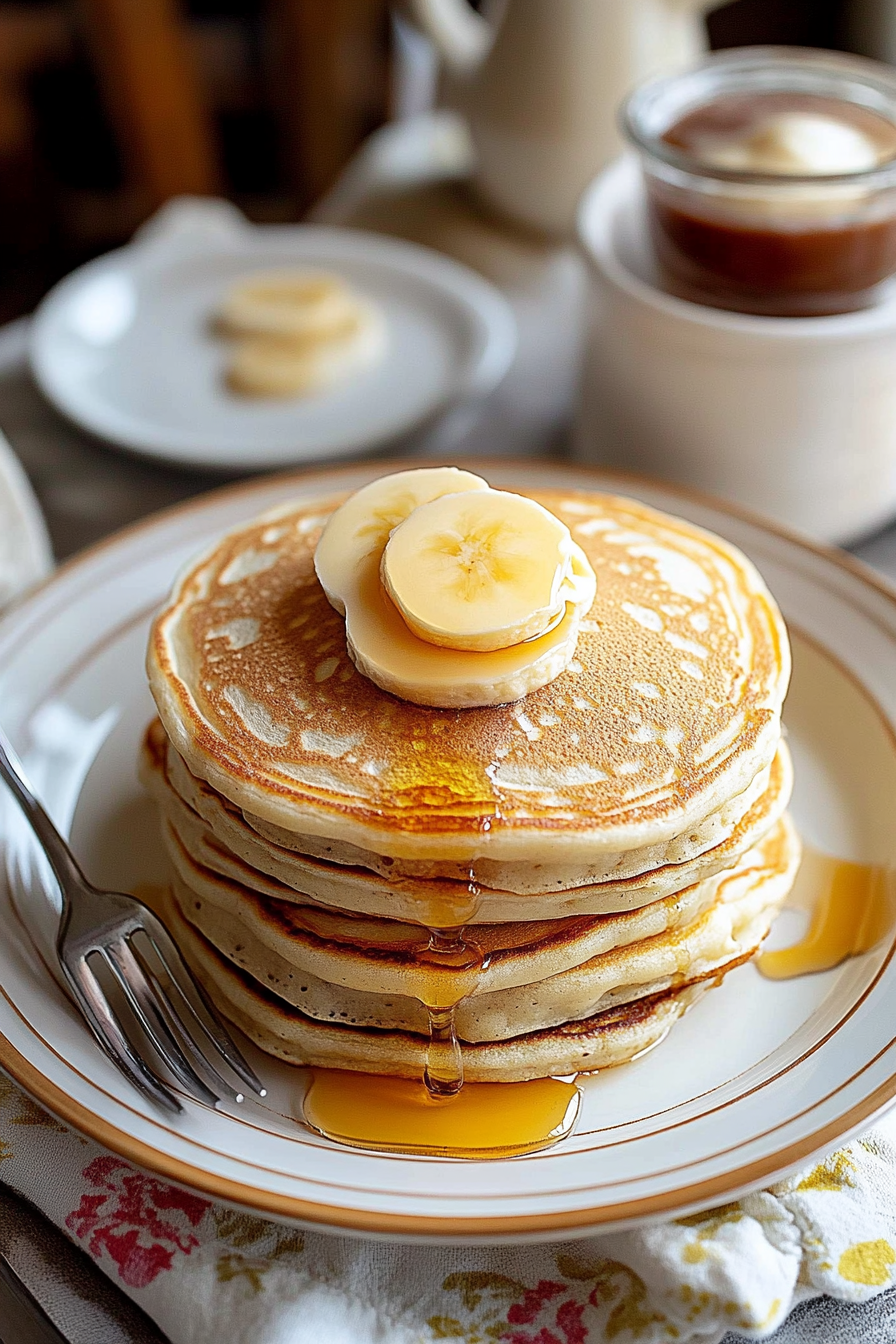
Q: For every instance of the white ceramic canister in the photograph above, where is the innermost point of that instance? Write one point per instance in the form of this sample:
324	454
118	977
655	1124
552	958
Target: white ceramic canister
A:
794	418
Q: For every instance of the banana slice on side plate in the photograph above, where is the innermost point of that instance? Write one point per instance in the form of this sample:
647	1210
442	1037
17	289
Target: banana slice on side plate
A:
265	366
381	643
287	305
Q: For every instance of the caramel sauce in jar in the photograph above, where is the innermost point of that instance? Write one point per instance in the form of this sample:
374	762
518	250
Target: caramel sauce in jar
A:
771	180
786	252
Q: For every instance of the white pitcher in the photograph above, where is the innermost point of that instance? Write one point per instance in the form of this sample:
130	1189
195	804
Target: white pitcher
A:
540	87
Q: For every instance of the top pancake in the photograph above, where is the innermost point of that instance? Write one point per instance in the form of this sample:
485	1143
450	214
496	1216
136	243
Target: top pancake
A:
671	706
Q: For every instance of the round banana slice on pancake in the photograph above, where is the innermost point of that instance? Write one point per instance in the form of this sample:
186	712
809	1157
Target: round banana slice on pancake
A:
473	598
483	570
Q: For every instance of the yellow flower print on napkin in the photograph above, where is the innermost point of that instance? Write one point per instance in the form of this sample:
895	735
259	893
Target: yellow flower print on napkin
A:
867	1262
843	1207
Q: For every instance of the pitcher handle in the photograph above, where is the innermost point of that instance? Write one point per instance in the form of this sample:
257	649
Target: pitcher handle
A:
459	34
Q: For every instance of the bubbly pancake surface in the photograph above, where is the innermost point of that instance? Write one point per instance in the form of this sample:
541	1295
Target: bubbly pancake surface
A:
670	708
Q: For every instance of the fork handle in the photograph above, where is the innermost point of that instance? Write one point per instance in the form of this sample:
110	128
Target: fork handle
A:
62	860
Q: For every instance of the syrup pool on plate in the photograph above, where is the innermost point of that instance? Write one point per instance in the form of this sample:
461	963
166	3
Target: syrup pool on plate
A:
400	1115
852	907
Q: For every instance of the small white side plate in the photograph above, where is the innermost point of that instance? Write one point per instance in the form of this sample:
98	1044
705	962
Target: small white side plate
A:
124	346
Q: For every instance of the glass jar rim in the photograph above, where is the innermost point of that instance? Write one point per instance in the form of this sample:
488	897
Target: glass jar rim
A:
772	65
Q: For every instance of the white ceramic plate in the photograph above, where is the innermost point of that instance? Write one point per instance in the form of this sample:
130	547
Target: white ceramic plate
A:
754	1081
25	554
124	347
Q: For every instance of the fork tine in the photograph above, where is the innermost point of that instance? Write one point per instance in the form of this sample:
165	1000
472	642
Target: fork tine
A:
149	1011
111	1036
194	997
180	1029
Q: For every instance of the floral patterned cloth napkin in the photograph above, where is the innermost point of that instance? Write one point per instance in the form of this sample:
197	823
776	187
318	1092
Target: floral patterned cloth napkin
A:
207	1274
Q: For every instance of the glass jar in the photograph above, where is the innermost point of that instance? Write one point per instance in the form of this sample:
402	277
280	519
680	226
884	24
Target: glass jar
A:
783	243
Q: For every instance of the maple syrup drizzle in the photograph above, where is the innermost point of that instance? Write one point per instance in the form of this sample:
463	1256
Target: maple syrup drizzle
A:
449	949
852	906
442	1115
443	1075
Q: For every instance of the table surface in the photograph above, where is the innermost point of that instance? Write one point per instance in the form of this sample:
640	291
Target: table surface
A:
88	490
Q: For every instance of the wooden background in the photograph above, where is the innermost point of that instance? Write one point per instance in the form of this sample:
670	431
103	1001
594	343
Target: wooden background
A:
108	107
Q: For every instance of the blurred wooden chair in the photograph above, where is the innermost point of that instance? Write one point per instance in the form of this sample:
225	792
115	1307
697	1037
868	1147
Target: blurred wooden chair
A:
329	78
316	71
150	84
332	83
29	39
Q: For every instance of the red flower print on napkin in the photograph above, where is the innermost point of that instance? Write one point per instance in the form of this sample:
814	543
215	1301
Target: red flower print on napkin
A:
141	1223
567	1317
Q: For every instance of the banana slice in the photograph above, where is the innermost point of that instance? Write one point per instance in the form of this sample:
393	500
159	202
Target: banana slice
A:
482	571
385	649
264	366
361	526
287	304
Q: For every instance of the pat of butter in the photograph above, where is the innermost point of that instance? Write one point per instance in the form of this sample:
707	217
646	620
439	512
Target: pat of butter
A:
797	143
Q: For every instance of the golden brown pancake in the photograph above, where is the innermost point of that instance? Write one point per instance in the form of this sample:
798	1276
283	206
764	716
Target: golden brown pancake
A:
616	842
216	833
670	709
535	976
387	956
604	1040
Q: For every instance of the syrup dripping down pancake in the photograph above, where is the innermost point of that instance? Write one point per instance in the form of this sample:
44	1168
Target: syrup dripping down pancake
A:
602	1041
535	976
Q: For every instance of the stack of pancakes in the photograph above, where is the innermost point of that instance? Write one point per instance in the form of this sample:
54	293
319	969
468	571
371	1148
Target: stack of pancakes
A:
613	844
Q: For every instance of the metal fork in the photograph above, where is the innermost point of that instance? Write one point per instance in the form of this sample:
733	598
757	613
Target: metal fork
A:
123	934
